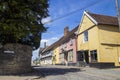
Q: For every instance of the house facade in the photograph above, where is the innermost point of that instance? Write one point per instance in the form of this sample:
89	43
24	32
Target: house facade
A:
98	39
62	51
56	55
68	47
45	55
50	54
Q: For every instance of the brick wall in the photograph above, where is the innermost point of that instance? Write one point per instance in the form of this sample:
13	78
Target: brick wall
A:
15	59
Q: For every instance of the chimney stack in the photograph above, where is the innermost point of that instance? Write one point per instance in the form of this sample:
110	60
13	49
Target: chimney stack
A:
66	30
44	44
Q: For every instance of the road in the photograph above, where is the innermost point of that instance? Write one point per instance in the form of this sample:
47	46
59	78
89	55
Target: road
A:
67	73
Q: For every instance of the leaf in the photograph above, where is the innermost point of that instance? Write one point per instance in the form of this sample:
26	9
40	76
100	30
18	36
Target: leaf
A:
19	18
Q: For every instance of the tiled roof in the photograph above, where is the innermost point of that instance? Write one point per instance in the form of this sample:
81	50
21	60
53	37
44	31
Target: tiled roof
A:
104	19
63	39
69	35
41	50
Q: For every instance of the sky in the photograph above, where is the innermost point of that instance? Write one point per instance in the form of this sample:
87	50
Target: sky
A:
69	13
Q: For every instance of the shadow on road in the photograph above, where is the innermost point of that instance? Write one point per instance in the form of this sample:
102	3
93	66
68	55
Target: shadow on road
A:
57	71
44	71
47	71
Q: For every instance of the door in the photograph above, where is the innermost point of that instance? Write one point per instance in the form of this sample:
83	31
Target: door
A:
80	56
86	57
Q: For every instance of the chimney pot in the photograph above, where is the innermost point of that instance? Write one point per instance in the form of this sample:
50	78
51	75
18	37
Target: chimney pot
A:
66	30
44	44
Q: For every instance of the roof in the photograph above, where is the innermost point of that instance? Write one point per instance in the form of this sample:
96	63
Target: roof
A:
63	39
41	50
69	35
102	19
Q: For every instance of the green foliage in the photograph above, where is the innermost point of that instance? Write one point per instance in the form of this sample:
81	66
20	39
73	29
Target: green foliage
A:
20	21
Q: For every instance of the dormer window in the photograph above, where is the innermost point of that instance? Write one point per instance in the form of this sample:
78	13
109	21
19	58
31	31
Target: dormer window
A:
85	36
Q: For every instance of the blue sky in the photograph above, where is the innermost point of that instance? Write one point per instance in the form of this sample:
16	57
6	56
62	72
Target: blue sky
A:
68	13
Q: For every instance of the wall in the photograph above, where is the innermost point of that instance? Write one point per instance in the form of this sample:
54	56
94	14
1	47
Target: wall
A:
110	44
73	47
70	46
85	24
56	54
15	62
46	60
93	37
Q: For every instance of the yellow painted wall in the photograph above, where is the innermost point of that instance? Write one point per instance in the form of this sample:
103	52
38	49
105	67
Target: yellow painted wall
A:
110	44
85	24
80	44
94	40
109	34
56	53
92	35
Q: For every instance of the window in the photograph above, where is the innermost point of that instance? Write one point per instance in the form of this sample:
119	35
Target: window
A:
70	56
61	57
71	42
85	36
93	55
80	56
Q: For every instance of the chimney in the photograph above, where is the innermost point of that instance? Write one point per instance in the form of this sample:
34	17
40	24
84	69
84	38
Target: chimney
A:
44	44
66	30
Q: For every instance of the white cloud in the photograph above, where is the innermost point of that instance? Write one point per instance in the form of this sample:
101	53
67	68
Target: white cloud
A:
48	41
46	20
35	54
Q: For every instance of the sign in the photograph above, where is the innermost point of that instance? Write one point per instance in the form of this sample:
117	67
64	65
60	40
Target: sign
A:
9	52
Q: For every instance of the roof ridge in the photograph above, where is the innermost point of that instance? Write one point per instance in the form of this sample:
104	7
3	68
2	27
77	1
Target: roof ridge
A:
102	14
102	19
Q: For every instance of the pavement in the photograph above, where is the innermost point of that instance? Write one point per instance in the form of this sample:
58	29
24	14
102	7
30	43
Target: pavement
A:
55	72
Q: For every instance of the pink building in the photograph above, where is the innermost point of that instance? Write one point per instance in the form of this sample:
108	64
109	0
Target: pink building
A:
68	47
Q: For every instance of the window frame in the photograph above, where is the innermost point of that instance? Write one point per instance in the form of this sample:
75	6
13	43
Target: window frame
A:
85	36
93	55
70	56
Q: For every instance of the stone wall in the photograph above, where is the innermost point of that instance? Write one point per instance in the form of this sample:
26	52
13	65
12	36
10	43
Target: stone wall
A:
15	59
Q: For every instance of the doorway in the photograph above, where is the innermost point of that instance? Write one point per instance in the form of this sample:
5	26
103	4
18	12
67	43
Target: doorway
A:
86	57
83	56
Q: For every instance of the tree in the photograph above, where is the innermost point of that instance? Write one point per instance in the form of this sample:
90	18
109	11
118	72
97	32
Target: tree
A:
20	21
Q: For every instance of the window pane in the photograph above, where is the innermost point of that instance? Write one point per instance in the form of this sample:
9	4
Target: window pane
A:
70	55
61	57
93	56
85	36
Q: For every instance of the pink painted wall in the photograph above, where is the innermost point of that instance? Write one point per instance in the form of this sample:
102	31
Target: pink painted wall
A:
71	47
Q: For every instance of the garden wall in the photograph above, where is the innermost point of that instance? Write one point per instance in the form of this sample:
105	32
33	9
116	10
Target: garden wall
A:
15	59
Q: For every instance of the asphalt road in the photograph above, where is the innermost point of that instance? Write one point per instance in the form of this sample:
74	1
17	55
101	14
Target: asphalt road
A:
52	72
77	73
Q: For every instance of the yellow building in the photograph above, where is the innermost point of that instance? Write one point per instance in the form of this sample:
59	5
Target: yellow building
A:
98	39
55	55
